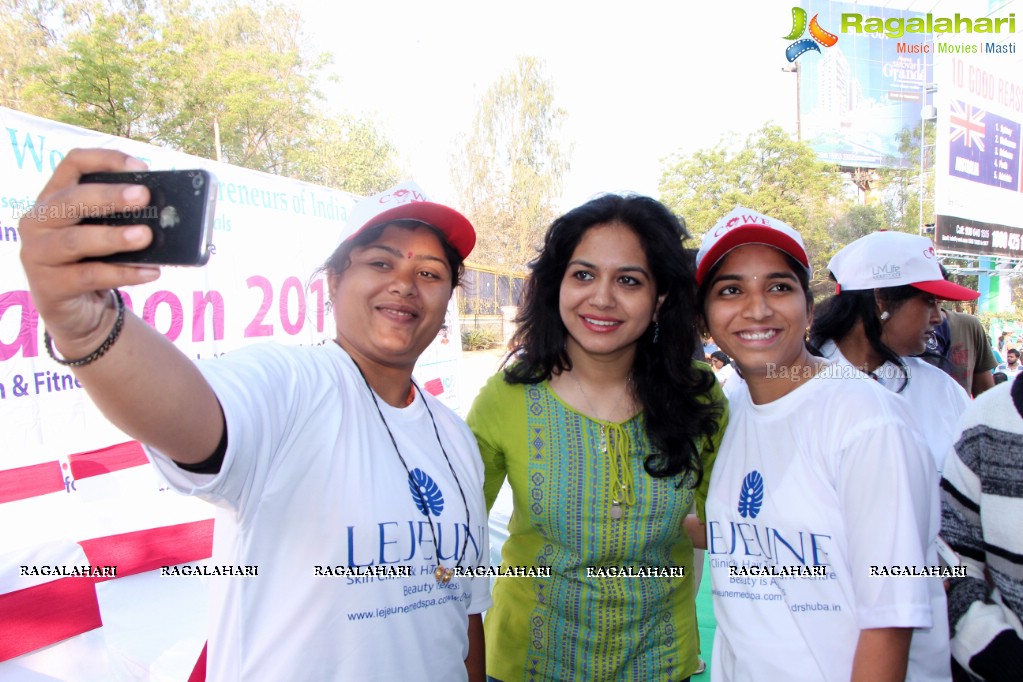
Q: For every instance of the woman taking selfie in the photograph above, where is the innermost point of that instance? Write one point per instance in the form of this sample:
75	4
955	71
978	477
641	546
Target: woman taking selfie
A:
606	430
815	484
310	453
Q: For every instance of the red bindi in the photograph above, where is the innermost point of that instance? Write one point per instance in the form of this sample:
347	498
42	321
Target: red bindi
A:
409	255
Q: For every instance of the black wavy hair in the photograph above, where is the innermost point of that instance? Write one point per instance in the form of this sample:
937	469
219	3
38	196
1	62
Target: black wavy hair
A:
665	381
836	317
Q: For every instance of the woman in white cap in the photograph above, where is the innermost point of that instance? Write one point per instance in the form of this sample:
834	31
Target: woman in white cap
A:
813	496
605	428
886	303
326	456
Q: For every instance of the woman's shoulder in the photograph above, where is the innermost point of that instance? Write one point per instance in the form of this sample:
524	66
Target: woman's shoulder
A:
498	404
271	355
839	386
496	392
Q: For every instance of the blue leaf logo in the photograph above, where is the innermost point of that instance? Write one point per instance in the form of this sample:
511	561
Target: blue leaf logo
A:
425	493
751	497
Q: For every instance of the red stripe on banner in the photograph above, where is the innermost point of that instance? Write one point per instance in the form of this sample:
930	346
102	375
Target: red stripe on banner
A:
199	671
146	550
25	482
105	460
39	616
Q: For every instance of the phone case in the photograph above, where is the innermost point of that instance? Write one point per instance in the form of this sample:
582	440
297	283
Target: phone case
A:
180	213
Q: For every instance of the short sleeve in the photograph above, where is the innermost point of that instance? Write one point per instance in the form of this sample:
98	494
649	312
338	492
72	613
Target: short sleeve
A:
485	418
260	390
985	357
888	490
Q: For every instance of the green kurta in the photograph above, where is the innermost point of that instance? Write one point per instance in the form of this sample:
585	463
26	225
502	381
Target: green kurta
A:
572	626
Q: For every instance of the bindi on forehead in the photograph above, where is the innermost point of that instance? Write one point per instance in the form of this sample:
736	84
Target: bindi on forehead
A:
408	255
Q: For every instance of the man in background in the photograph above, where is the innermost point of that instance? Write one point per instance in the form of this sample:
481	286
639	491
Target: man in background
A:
969	353
961	347
1012	366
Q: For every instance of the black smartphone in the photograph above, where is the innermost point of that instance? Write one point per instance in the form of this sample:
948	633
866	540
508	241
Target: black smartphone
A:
180	214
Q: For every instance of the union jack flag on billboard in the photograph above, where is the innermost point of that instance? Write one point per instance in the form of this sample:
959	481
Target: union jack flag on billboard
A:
982	146
967	124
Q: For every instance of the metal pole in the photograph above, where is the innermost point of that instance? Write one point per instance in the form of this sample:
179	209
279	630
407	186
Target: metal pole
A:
923	124
799	124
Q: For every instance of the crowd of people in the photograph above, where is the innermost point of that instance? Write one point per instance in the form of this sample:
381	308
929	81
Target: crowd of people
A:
822	465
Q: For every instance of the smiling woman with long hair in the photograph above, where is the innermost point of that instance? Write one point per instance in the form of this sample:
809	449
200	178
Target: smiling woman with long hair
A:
605	427
819	480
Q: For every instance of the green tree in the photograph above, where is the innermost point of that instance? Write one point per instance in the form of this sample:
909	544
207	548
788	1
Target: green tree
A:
252	80
511	168
859	221
23	35
174	73
768	172
903	189
346	153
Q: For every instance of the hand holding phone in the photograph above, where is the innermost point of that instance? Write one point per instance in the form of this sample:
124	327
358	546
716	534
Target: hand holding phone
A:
180	214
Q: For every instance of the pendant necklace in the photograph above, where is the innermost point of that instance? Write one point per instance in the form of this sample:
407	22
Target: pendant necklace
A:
615	444
441	573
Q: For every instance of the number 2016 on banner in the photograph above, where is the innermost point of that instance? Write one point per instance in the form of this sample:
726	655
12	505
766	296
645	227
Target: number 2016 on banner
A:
291	306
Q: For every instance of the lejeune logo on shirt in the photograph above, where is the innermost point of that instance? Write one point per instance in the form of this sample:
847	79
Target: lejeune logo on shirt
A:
407	541
747	542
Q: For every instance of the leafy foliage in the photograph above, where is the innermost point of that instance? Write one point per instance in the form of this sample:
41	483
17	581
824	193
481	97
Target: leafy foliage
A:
510	172
771	173
175	73
479	338
901	191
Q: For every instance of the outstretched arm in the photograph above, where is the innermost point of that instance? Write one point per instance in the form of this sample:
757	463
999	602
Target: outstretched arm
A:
142	383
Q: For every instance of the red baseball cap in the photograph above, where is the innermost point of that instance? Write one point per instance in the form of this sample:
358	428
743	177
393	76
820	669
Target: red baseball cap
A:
743	226
408	201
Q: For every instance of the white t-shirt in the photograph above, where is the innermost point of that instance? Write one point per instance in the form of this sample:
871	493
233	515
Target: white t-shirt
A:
828	475
311	479
935	400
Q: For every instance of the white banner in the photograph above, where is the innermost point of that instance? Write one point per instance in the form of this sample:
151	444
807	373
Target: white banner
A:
74	490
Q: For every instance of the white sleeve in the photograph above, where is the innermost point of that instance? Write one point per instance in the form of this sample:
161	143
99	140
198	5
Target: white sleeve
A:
260	391
888	490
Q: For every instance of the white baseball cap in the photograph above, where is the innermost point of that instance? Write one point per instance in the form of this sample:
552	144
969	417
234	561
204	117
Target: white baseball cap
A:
890	259
744	226
408	201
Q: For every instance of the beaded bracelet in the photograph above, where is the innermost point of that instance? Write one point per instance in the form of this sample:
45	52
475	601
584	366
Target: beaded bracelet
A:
103	347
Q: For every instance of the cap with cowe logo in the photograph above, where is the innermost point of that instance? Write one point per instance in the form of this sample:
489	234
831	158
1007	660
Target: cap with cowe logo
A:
891	259
408	201
740	227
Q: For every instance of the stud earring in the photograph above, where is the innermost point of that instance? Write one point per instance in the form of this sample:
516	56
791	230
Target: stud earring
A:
885	315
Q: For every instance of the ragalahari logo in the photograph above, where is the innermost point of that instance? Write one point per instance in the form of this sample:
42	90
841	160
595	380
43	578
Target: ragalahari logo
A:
817	35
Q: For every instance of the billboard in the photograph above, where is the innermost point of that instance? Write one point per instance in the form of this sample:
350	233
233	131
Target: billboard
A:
858	94
978	179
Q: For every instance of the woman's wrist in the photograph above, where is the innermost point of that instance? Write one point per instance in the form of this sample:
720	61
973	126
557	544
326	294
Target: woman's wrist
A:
98	350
